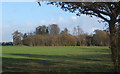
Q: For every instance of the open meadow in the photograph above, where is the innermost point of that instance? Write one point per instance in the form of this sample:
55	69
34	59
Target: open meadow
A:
56	59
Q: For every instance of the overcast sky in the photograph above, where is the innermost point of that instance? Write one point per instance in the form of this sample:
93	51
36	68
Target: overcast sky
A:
26	16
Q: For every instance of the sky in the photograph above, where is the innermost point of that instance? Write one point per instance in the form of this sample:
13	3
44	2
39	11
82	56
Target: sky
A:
26	16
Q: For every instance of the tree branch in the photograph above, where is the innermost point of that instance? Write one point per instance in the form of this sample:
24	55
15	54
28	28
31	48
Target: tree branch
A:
99	15
98	12
118	20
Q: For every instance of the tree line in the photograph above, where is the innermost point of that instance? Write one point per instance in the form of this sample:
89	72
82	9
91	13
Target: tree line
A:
52	36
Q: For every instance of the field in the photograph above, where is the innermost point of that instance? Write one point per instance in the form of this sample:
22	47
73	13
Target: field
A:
56	59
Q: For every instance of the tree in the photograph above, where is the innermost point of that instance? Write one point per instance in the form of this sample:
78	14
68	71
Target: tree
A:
90	40
79	31
25	41
54	29
118	36
42	30
75	31
65	31
17	38
68	40
101	38
82	39
54	40
24	36
28	41
107	11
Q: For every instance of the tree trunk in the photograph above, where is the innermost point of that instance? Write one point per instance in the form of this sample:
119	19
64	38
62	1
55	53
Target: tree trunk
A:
118	42
114	44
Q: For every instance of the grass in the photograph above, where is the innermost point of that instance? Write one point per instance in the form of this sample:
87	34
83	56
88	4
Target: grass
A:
56	59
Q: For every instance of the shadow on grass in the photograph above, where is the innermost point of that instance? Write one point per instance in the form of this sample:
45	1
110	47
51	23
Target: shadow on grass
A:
14	64
38	65
90	57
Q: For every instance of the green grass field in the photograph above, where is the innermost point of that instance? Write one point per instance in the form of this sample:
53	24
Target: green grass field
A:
56	59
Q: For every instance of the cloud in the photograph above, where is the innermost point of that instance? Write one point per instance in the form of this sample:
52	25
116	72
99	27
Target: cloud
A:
74	17
61	19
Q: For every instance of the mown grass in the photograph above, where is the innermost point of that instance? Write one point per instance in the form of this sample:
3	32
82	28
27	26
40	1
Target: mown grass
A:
56	59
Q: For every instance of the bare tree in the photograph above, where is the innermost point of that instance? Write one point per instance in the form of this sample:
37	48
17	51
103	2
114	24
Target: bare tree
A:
75	31
79	31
